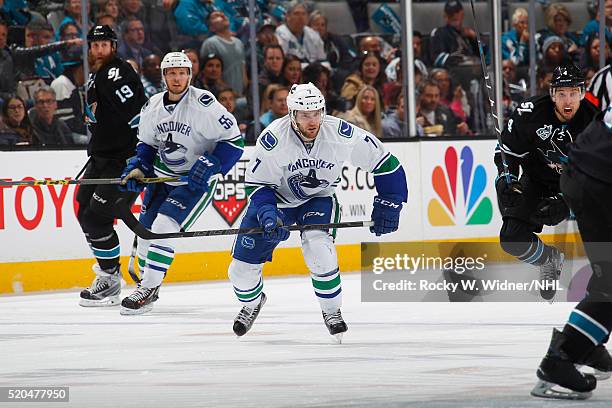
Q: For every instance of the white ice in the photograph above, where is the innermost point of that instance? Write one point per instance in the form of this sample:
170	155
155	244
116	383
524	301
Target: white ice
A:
184	354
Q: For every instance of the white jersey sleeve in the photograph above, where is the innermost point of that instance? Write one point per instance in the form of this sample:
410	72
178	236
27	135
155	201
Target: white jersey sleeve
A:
370	154
263	169
146	131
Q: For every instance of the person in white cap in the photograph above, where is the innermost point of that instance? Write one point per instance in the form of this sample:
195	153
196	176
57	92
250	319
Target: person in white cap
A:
184	131
290	179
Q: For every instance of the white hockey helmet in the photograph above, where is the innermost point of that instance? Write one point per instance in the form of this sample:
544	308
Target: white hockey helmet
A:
176	60
305	97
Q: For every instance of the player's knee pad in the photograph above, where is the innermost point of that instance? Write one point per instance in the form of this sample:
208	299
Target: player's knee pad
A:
319	252
515	237
244	275
95	225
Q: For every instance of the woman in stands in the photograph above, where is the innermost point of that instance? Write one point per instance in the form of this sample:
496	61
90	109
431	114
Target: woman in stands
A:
15	128
371	72
292	70
367	112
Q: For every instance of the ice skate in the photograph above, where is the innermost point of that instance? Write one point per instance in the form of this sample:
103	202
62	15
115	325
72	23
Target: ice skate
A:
600	361
335	324
246	317
549	274
558	376
105	289
139	302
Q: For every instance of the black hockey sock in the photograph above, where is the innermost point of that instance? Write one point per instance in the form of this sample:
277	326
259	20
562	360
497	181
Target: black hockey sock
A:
588	325
106	250
534	252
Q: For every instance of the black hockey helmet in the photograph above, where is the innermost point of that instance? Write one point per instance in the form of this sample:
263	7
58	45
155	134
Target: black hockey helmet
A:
101	33
568	75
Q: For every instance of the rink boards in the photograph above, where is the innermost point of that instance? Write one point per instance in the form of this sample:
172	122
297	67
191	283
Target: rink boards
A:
451	197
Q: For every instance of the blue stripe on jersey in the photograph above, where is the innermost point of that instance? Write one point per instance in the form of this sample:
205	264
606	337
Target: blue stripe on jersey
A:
588	326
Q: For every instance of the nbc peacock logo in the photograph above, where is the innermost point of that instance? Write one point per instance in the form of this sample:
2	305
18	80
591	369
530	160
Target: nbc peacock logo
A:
460	188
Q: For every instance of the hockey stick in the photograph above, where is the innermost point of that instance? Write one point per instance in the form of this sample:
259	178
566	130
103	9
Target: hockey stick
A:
132	260
88	181
492	102
125	212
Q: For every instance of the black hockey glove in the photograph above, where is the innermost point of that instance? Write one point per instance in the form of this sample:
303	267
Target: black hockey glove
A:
508	194
551	211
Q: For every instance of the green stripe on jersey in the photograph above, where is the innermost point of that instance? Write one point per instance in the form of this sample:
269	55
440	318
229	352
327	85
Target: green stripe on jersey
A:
388	166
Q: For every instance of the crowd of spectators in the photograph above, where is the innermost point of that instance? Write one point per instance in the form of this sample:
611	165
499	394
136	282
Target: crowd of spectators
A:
42	77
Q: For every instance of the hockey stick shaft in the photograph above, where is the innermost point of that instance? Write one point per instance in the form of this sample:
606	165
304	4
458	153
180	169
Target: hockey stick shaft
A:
87	181
132	262
125	212
489	88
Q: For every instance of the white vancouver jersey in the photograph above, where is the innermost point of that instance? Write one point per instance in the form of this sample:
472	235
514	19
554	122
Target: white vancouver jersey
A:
181	135
282	162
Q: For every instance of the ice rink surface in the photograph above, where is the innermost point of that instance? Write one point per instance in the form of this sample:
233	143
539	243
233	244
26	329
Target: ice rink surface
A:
184	354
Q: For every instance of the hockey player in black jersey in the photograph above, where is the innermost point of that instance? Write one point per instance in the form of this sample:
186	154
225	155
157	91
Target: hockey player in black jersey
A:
586	184
535	141
114	98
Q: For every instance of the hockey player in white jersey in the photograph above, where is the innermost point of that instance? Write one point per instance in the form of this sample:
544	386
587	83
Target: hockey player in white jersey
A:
184	131
291	180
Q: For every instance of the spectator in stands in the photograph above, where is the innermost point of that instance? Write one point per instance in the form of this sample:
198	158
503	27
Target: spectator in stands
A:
194	57
272	71
151	77
417	49
370	73
393	122
15	12
158	23
265	38
543	77
514	91
16	120
292	70
339	52
107	19
278	106
48	130
191	16
297	38
437	119
320	76
25	58
212	71
7	75
367	111
72	15
590	58
558	20
453	42
554	52
515	43
451	95
48	67
130	8
227	98
69	93
133	45
229	48
108	7
592	27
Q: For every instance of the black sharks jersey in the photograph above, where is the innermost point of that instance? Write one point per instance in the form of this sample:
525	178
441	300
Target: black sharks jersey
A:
537	141
114	98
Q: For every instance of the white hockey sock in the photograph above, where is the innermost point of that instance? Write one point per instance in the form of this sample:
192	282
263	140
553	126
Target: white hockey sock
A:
161	252
320	256
247	281
141	255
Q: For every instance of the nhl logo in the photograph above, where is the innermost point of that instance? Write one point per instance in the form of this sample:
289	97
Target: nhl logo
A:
230	197
544	132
